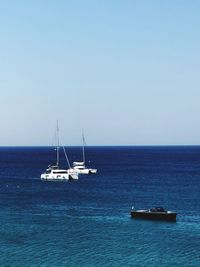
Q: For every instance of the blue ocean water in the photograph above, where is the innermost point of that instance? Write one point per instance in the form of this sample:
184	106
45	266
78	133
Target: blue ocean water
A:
87	222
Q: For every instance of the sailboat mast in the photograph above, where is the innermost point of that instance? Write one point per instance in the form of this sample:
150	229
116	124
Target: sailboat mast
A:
83	146
57	131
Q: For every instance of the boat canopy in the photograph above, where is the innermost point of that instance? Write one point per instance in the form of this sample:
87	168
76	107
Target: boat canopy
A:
53	167
78	163
158	209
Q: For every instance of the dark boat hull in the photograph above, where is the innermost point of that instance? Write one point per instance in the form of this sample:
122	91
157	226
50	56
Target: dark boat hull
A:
160	216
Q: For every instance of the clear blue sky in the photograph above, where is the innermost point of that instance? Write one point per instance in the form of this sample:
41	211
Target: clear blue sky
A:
126	71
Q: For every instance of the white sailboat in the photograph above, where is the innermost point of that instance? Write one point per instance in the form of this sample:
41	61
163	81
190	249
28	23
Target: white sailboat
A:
79	166
54	173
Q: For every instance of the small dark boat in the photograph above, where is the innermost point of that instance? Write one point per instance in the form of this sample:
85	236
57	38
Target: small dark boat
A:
157	213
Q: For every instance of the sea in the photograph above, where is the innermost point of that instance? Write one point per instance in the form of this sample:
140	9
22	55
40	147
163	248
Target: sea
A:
87	222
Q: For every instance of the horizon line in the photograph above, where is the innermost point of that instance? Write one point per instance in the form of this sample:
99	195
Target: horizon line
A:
145	145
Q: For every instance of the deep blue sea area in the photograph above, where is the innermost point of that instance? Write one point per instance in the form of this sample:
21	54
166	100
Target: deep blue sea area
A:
87	222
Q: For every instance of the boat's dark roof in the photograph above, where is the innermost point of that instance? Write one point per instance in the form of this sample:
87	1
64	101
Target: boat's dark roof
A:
157	209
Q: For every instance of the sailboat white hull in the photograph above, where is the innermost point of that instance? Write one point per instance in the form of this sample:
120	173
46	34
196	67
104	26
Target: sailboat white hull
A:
83	170
53	177
73	174
92	171
59	175
47	177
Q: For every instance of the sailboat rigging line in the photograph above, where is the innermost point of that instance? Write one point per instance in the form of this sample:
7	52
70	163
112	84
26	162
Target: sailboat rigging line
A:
67	159
58	145
83	145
